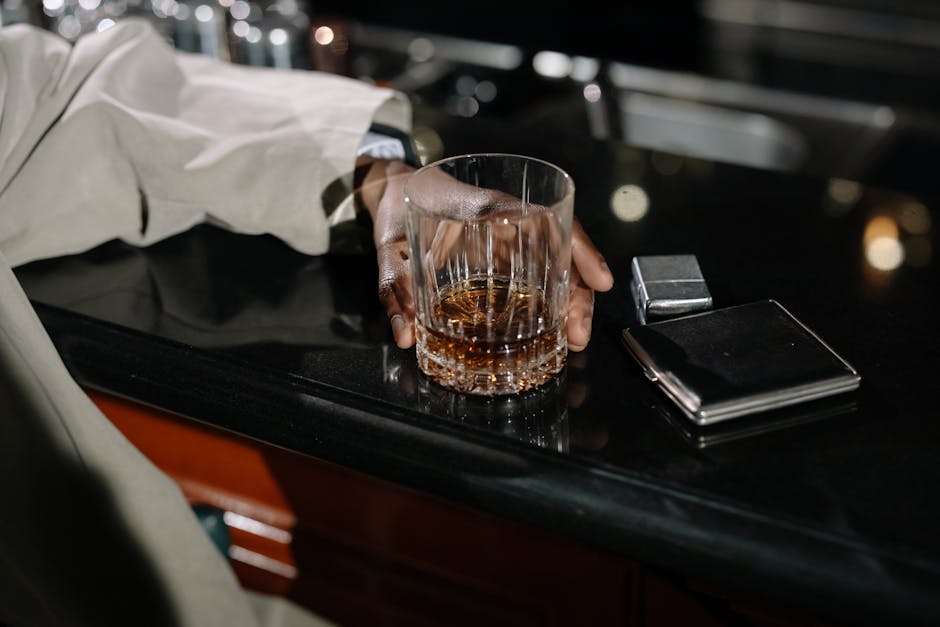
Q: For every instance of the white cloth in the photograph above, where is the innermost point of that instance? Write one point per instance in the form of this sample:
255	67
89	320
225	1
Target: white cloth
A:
123	137
91	135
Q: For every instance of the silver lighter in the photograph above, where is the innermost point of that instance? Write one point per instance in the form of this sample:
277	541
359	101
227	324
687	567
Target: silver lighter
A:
668	285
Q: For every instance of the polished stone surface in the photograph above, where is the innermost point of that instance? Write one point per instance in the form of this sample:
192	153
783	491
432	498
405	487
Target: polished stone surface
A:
831	506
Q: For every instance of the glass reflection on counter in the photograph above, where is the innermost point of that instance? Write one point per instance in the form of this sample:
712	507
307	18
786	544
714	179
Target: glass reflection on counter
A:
760	424
538	417
541	417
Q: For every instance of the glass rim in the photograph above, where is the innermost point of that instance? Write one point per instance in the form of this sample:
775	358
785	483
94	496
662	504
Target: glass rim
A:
409	205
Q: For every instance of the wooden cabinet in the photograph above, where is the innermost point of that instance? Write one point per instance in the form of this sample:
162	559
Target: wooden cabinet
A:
362	551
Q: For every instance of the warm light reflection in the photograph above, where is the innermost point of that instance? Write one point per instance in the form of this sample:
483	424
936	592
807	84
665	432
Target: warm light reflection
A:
225	3
880	226
884	253
552	64
323	35
629	202
844	192
914	218
883	249
899	234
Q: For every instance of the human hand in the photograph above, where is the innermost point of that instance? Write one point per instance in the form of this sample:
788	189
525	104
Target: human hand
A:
382	193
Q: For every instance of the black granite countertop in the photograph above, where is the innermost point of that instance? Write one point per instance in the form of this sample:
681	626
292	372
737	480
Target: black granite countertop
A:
830	507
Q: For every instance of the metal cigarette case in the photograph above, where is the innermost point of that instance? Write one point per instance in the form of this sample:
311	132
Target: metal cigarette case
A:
747	359
668	285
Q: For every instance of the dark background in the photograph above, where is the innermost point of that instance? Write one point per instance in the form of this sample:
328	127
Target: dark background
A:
669	34
868	51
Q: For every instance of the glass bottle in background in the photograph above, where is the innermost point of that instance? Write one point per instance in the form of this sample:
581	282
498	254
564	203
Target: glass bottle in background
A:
201	26
273	33
72	18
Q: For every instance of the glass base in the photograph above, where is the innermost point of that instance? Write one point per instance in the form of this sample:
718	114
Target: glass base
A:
491	368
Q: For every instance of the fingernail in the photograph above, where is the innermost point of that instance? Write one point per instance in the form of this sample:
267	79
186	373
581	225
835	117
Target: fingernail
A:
399	325
586	325
606	269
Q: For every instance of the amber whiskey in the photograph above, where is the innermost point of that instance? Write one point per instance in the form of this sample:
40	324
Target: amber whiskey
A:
491	335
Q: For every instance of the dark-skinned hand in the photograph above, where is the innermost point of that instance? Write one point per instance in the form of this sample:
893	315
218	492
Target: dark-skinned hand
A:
381	192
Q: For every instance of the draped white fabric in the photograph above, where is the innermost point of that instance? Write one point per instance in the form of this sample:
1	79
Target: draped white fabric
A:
124	137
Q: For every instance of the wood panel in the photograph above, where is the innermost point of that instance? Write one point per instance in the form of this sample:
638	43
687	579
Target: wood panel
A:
362	551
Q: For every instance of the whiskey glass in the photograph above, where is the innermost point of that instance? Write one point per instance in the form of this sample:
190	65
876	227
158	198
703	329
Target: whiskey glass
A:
490	249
